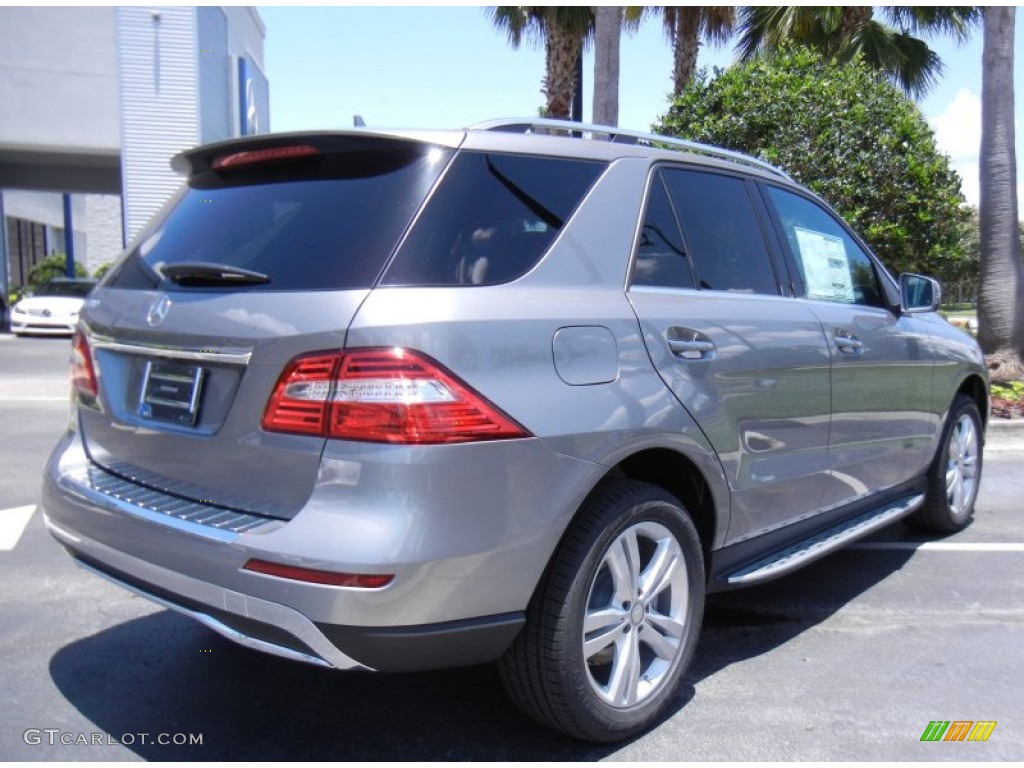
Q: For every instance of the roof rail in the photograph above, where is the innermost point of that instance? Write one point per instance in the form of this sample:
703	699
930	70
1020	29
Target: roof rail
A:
621	136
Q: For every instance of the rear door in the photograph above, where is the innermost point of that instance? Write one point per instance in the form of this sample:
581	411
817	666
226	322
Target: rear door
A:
750	364
266	254
882	363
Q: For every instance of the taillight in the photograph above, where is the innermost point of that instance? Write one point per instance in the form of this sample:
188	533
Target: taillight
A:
386	395
83	372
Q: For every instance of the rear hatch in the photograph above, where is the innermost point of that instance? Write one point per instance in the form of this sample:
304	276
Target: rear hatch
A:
266	254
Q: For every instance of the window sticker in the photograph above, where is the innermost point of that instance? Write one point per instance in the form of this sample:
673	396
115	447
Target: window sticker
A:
826	265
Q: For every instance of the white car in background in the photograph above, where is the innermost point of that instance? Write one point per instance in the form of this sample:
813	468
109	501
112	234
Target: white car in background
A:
53	309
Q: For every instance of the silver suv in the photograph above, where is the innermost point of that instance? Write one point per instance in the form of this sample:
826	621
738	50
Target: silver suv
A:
403	400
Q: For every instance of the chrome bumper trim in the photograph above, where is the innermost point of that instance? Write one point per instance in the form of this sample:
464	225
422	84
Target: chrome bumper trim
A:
226	600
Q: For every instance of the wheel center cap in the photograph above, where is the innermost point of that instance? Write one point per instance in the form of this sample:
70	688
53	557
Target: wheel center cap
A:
636	614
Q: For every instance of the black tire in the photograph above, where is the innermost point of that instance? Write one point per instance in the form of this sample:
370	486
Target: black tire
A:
955	474
548	672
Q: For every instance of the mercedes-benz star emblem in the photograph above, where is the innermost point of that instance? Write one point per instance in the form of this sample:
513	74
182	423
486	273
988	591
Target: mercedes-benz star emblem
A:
158	311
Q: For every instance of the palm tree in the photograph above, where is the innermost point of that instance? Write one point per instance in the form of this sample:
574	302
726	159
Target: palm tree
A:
686	26
844	32
607	36
564	31
1000	312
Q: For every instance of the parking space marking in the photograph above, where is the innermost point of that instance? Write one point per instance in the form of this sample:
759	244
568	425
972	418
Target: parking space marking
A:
940	546
12	525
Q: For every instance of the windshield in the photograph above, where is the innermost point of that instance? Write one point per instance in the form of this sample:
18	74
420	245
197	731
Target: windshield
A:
74	289
329	227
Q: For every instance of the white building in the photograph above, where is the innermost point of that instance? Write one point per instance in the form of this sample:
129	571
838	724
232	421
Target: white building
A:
95	102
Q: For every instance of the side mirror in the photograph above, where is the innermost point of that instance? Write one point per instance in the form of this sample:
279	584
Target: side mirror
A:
919	293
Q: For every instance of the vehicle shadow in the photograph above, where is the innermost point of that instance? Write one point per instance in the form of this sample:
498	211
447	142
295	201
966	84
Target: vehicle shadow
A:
164	674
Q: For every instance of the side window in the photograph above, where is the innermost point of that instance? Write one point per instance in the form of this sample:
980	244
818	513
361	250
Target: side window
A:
726	242
832	265
660	255
491	219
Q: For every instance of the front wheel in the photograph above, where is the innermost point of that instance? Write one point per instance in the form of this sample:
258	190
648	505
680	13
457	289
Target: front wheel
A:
613	627
955	475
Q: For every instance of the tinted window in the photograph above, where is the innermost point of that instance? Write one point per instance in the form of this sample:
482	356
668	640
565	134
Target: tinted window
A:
660	255
832	265
329	225
73	289
726	242
491	219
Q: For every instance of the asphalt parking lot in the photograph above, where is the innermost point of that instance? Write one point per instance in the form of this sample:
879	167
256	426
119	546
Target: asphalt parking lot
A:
849	659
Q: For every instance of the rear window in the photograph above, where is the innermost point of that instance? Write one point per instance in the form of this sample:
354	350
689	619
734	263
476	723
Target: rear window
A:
491	219
328	224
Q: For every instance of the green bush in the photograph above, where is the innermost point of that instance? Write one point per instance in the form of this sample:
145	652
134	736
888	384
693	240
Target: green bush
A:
102	269
847	135
54	265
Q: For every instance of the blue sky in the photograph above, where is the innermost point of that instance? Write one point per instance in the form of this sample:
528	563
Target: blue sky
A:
446	67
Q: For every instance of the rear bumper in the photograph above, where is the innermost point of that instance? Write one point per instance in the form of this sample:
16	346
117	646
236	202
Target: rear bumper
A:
281	631
451	604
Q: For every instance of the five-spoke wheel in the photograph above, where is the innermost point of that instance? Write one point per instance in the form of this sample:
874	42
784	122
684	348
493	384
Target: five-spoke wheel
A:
612	628
955	475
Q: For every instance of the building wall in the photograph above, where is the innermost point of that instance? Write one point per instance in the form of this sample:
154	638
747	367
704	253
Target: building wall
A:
158	64
103	229
214	74
58	81
245	44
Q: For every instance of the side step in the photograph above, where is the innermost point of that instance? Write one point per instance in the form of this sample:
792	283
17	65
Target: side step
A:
803	552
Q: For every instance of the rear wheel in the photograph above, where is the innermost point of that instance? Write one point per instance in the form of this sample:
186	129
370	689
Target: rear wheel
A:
955	475
612	629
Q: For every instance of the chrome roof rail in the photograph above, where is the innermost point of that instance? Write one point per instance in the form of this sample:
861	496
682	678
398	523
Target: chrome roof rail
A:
621	136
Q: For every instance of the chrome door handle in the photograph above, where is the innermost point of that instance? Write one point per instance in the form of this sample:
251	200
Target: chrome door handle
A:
681	347
847	342
689	344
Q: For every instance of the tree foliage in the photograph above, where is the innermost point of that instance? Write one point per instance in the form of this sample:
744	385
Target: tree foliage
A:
54	265
853	139
845	32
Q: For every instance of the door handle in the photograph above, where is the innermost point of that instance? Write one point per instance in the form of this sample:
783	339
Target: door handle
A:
689	344
847	342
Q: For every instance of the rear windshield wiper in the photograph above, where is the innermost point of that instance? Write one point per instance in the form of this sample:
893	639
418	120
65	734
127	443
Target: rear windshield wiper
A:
205	273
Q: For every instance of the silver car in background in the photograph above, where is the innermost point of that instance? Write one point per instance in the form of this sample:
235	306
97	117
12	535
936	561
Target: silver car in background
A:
526	392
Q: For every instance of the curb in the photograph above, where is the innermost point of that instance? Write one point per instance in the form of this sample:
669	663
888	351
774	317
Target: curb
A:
1005	433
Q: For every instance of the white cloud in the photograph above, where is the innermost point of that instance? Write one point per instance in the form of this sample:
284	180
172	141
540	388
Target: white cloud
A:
958	134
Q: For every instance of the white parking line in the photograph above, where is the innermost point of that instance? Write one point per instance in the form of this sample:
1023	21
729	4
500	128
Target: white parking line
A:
940	546
12	525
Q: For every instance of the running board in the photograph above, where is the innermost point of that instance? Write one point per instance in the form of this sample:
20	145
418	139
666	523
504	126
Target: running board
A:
803	552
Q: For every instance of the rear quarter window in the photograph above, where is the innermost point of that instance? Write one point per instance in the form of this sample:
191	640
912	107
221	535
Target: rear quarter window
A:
491	219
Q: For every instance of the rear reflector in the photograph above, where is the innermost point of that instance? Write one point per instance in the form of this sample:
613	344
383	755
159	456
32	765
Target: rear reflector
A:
384	395
255	156
313	576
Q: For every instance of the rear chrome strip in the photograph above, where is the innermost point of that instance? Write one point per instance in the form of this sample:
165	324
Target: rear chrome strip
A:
112	492
227	355
202	593
217	626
